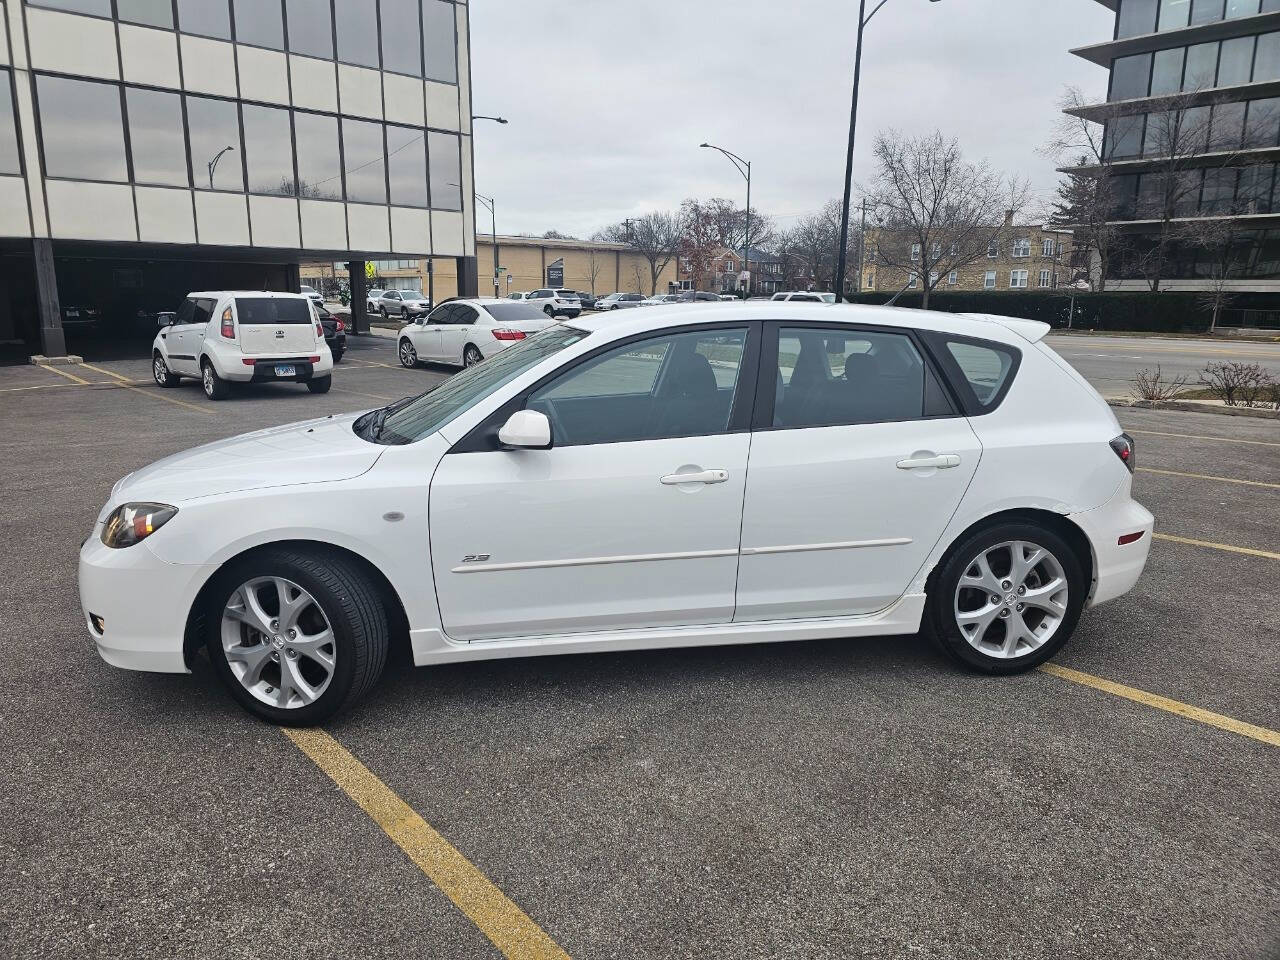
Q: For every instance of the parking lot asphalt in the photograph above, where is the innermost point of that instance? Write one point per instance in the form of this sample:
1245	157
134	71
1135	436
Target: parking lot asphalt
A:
828	799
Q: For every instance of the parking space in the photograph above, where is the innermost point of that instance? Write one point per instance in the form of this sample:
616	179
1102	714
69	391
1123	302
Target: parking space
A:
858	798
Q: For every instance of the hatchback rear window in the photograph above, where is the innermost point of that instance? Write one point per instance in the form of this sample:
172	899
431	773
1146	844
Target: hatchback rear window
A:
269	310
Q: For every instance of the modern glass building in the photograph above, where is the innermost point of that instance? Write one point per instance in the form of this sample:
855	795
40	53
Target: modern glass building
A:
151	147
1192	138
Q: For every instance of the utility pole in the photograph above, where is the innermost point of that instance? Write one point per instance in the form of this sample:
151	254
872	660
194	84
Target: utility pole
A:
627	225
862	246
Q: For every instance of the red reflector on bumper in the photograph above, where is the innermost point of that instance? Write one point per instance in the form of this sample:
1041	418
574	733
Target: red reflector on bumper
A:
315	359
1129	538
248	363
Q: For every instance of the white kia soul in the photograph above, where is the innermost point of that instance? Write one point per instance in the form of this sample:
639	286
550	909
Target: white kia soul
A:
745	473
227	337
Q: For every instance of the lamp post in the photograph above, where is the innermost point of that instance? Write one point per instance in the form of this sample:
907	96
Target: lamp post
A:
744	168
481	116
863	19
213	164
488	202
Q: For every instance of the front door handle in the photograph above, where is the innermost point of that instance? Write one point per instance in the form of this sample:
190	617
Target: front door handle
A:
942	462
702	476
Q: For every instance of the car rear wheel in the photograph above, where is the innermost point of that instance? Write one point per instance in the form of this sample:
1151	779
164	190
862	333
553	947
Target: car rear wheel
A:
296	636
408	355
337	355
160	370
1007	598
215	388
320	384
549	311
471	356
383	311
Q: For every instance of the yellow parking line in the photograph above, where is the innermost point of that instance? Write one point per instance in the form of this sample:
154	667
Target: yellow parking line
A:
1205	476
62	373
497	917
1229	547
1196	436
1230	724
90	366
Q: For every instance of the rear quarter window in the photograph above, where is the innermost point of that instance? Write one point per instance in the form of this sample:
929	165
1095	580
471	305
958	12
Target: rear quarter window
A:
981	371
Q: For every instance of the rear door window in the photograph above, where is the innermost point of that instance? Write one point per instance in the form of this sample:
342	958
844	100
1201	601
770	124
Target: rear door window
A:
269	310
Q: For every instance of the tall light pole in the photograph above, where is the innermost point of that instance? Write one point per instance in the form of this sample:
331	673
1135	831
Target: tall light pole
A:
481	116
213	164
488	202
744	168
863	19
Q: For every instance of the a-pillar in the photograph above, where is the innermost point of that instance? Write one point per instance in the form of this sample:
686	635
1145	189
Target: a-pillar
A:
359	291
468	277
48	307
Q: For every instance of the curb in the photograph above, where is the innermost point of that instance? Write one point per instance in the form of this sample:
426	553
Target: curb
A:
1192	406
68	361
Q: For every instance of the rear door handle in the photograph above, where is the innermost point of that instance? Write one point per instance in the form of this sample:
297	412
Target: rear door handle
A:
703	476
942	462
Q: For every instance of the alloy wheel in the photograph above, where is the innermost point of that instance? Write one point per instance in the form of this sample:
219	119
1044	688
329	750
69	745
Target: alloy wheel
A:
408	355
1011	599
159	370
471	356
278	643
206	377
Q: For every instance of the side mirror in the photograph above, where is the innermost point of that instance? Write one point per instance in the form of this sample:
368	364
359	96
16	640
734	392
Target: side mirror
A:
165	319
527	429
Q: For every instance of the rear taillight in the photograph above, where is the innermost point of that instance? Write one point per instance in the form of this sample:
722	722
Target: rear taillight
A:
315	359
228	325
341	326
500	333
319	330
1124	448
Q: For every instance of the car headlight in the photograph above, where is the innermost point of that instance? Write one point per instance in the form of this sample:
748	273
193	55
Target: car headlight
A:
132	523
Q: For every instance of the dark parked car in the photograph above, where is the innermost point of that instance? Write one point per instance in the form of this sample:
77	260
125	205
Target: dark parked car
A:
588	300
81	319
335	331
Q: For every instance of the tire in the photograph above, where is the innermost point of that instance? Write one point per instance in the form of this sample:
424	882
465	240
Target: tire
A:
342	595
320	384
407	354
383	311
337	355
471	355
982	645
215	388
550	312
163	375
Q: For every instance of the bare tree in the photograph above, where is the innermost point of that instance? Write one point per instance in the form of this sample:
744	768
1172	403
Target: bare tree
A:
638	276
813	242
935	211
657	238
1219	258
700	239
595	264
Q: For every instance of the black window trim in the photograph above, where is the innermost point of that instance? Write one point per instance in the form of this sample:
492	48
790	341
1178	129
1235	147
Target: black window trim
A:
766	387
483	437
954	379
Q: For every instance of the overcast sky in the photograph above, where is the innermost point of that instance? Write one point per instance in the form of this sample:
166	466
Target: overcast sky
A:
609	99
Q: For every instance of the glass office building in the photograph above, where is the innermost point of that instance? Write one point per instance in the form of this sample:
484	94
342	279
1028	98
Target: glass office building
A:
148	146
1192	133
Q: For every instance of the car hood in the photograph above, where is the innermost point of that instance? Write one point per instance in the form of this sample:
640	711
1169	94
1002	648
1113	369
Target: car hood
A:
314	451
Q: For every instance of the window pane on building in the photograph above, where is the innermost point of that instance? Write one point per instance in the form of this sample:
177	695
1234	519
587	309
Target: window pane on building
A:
319	163
1219	191
268	150
1241	8
1266	64
260	22
1124	137
1193	134
213	126
1174	13
1227	129
153	13
1236	62
440	41
208	18
9	161
1136	18
357	24
1205	11
1166	72
366	164
444	151
159	156
1130	76
310	28
1202	66
1263	123
81	129
1254	193
401	37
101	8
407	166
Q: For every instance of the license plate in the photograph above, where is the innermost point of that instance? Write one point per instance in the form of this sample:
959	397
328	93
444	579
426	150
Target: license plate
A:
286	370
73	313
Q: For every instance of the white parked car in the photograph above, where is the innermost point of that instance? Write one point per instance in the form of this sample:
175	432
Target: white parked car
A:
805	296
620	301
405	304
556	303
671	478
660	299
464	332
371	299
312	294
225	337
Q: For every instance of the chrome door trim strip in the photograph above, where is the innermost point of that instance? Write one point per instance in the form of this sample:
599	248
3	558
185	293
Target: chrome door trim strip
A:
590	561
809	547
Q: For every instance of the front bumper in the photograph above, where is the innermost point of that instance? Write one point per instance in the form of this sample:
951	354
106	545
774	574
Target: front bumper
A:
1116	566
142	603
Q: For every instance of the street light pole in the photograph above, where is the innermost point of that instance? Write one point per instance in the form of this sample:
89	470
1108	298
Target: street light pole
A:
863	19
744	169
213	164
481	116
488	202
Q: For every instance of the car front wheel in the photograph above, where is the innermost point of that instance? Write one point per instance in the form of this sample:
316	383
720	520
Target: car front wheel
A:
296	636
408	355
164	376
1007	598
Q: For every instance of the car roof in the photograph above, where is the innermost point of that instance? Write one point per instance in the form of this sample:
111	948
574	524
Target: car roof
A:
275	294
982	326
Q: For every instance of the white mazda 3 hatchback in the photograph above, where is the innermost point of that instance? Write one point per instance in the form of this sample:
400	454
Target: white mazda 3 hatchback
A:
758	472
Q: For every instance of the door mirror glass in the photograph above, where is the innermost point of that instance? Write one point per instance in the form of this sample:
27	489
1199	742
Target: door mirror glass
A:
166	318
527	429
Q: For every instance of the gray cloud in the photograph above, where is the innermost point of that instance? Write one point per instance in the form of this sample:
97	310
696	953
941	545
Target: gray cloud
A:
608	100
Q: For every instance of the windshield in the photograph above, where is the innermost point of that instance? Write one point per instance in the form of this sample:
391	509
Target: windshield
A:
405	422
412	295
511	312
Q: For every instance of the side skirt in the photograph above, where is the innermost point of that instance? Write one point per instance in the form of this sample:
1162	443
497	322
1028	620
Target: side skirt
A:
431	646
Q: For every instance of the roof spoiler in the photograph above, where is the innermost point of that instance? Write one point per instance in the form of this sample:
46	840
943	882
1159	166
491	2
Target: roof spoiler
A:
1032	331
